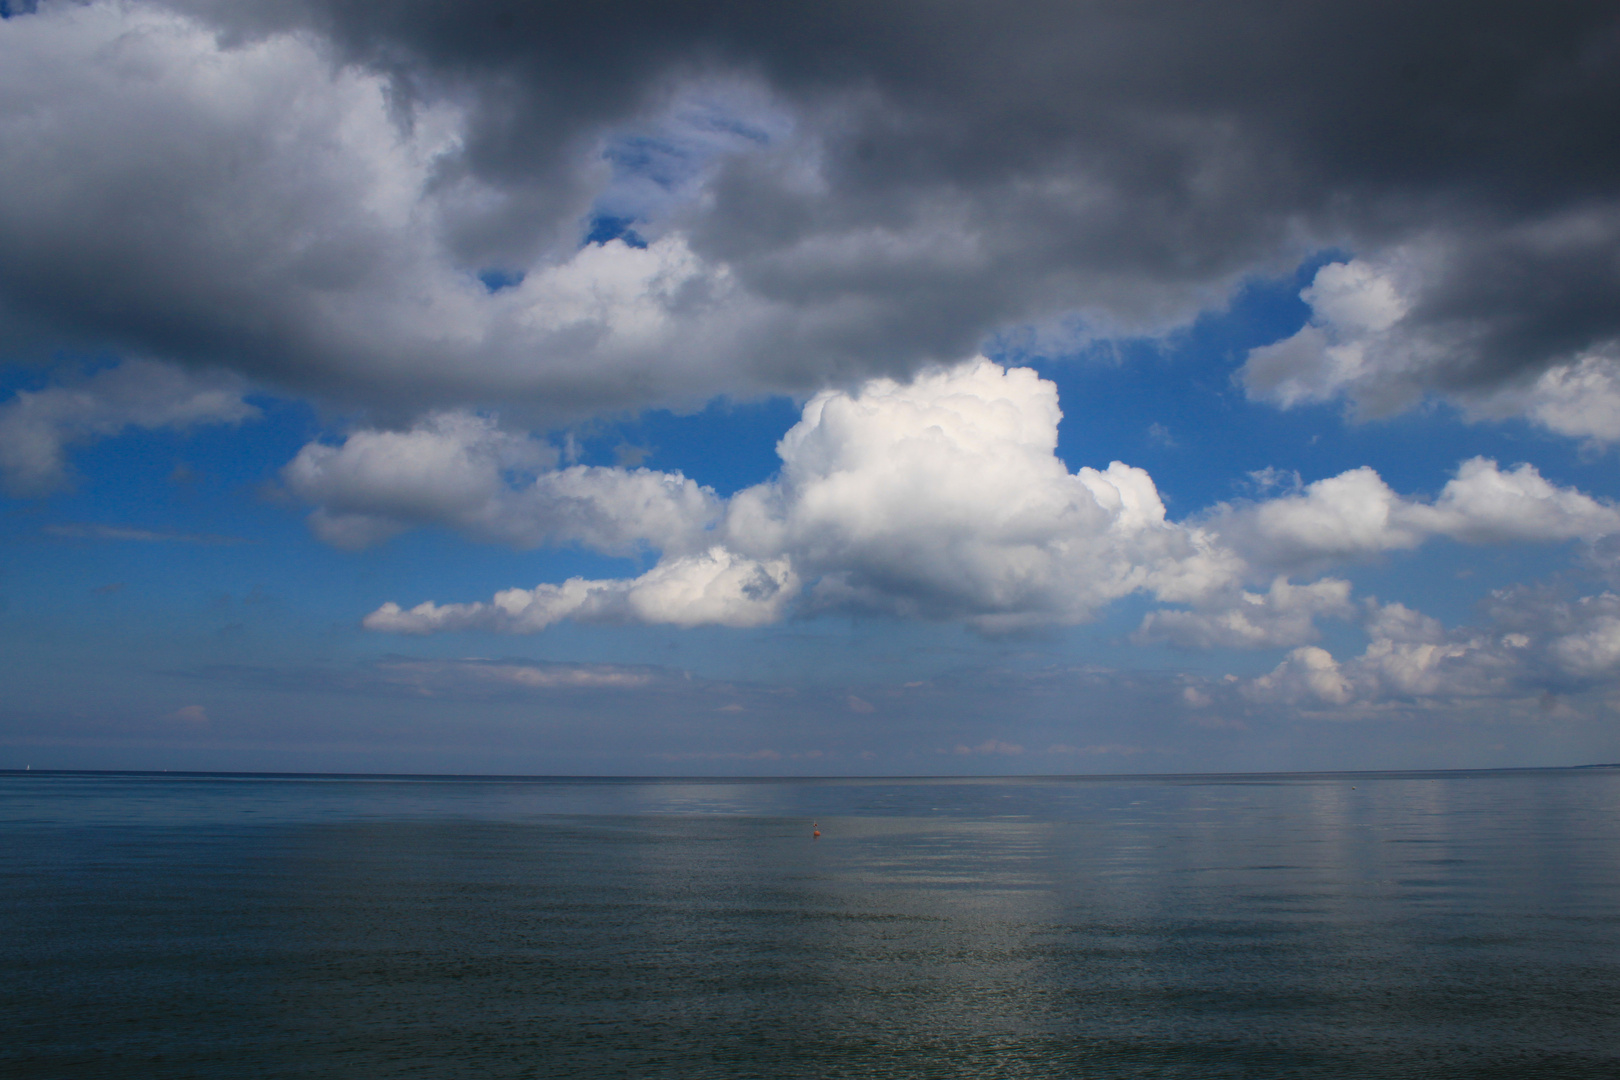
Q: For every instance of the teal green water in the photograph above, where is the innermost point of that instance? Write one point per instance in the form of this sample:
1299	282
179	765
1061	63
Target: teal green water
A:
1393	925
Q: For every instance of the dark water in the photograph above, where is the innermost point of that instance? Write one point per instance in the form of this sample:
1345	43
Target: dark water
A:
1411	925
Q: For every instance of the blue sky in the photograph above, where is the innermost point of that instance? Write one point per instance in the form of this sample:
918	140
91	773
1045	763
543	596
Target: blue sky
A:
712	421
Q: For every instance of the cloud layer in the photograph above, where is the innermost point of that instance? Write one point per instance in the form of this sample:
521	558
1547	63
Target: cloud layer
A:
387	207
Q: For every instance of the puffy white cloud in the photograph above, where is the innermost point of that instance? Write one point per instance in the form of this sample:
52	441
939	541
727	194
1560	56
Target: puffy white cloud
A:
1536	643
1408	656
1283	615
1353	306
938	498
1355	514
1345	516
943	497
1594	649
463	471
1580	398
36	427
1484	505
450	467
1577	639
715	587
1383	334
1308	670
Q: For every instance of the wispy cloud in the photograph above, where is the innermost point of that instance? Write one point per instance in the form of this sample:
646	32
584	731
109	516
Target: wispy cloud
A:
437	676
37	427
989	746
472	677
79	531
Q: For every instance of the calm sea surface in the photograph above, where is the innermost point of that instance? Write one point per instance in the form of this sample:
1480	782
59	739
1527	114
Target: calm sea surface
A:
1389	925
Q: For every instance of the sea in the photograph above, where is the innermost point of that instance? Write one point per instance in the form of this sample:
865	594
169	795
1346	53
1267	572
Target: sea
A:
1356	925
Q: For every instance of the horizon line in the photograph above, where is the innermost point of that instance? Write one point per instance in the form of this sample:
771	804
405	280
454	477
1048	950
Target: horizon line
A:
781	778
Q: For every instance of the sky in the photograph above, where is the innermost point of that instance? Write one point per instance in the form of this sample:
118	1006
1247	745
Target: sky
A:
887	388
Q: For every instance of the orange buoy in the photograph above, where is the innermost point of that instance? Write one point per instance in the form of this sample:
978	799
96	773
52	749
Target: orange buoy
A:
815	829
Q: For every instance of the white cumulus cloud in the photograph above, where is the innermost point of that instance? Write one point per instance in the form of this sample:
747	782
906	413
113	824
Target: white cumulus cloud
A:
943	497
1356	514
1580	398
1347	346
938	498
1365	342
1534	644
1283	615
716	587
464	472
1308	670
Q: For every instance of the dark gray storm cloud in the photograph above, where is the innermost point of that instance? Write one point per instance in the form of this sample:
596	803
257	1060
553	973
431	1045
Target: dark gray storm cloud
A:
308	192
